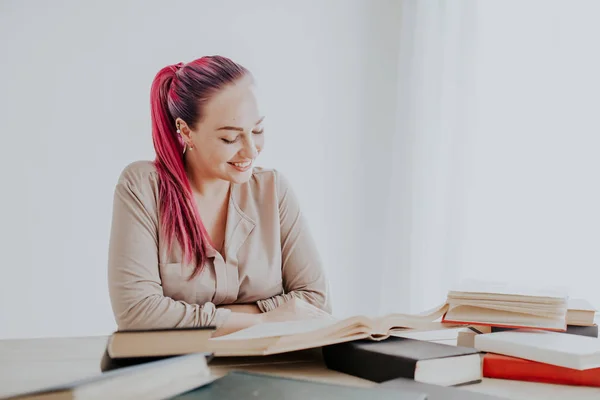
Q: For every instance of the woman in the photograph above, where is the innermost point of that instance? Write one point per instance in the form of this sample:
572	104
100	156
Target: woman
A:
200	236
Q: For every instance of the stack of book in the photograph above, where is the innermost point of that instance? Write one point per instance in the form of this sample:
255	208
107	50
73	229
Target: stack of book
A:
540	356
520	332
580	320
528	334
488	308
508	306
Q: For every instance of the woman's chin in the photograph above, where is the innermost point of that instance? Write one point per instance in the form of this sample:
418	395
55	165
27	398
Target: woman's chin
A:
239	176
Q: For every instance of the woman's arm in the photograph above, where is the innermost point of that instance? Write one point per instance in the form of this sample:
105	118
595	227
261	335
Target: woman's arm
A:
135	287
242	308
302	269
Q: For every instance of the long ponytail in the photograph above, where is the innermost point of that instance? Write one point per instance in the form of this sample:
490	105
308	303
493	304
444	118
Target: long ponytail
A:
179	92
179	217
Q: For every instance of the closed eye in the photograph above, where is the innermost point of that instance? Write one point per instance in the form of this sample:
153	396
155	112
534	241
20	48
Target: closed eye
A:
230	141
259	132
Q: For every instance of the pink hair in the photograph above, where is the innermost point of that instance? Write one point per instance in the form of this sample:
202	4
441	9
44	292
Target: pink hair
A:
179	91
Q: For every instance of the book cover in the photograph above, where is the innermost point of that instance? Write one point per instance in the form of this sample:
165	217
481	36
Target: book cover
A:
108	363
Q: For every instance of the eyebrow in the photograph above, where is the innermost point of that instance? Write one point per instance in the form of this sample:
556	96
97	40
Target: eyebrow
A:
237	128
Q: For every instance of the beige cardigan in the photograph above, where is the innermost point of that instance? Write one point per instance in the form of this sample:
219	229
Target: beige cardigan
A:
269	256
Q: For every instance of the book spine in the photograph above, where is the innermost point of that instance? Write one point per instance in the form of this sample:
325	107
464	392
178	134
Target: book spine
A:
108	363
350	359
591	331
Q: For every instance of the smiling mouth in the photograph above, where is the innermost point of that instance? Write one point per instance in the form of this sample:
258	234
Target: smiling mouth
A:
241	166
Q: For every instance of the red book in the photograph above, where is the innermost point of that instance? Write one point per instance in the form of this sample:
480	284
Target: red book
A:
504	367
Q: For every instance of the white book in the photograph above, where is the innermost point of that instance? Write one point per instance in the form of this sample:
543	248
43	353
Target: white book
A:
507	304
570	351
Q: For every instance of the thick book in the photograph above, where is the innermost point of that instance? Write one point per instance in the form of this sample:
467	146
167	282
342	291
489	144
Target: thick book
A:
154	381
569	351
436	392
580	312
239	385
507	305
131	344
466	336
504	367
398	357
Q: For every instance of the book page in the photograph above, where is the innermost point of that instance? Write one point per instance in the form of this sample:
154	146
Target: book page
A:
276	329
486	316
509	288
551	311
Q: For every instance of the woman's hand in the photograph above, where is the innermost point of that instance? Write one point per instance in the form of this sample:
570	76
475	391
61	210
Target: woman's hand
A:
294	310
246	315
242	308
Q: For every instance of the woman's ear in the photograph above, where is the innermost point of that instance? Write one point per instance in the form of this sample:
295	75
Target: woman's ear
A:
184	130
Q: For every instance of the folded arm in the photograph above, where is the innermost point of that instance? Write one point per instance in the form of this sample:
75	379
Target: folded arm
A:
302	269
135	289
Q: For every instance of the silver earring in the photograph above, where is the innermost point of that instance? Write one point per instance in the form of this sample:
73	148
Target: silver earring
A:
179	133
187	147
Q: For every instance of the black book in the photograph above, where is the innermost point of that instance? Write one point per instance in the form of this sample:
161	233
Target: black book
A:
108	363
398	357
239	385
435	392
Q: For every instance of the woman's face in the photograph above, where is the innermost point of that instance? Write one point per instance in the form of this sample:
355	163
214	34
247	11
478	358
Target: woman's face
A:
230	135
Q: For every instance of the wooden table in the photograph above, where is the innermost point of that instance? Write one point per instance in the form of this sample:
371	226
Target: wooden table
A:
29	364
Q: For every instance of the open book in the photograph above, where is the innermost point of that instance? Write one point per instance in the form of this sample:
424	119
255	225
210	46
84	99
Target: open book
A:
280	337
507	305
133	347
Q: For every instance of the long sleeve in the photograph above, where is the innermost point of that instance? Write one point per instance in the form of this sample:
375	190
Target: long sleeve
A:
134	280
302	269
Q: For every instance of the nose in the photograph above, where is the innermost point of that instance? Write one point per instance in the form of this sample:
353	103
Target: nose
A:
249	150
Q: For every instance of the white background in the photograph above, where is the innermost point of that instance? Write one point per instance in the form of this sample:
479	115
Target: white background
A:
74	110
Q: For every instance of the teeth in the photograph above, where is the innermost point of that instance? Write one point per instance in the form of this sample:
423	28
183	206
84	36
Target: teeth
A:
242	165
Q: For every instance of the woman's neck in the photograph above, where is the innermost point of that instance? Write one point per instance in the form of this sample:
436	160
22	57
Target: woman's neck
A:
206	187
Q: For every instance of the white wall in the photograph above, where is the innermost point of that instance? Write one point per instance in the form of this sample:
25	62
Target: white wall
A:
74	110
531	197
406	188
497	165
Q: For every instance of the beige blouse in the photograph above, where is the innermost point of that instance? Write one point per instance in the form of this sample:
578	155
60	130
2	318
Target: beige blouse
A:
269	256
